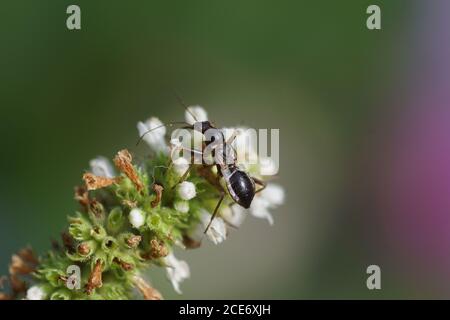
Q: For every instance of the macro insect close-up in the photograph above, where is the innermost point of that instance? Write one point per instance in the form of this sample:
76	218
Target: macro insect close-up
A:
240	186
132	217
253	151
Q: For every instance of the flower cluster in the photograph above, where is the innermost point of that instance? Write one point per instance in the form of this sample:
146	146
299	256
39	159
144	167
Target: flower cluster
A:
131	218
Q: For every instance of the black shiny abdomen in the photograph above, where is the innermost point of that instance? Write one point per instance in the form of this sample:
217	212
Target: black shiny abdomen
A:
243	188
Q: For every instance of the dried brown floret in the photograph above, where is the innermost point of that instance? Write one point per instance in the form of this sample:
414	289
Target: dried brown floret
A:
147	291
158	190
129	203
68	241
133	241
159	249
19	266
28	255
190	243
97	208
95	279
17	285
4	296
123	163
82	196
125	265
96	182
83	249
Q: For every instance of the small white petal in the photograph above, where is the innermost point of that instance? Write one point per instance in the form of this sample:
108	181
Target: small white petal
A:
35	293
186	190
217	231
271	197
177	271
198	112
101	167
180	166
136	217
233	215
182	206
259	209
155	138
274	194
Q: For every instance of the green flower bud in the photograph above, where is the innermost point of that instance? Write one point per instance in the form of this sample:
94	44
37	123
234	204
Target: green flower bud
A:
61	294
109	244
129	240
97	212
79	228
98	233
115	220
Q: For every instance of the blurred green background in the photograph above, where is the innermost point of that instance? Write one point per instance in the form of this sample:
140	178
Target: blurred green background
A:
310	68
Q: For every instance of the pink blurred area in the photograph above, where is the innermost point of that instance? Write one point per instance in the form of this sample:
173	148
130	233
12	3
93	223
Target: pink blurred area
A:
413	163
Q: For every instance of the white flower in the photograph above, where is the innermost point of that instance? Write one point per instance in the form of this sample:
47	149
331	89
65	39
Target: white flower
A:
155	138
198	112
217	231
259	208
101	167
180	166
182	206
271	197
267	167
177	271
136	217
274	194
234	215
35	293
186	190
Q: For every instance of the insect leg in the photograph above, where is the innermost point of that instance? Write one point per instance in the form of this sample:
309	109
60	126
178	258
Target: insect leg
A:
222	196
231	139
263	184
184	176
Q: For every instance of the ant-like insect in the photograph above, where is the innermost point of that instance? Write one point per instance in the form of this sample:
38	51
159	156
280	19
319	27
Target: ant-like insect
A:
240	185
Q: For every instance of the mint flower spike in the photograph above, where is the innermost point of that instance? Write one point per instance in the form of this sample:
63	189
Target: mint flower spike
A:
131	217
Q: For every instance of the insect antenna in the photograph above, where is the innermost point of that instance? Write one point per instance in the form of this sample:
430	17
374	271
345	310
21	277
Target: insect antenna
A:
169	124
180	100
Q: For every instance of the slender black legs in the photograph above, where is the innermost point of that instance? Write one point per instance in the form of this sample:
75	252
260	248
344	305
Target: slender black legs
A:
263	184
222	195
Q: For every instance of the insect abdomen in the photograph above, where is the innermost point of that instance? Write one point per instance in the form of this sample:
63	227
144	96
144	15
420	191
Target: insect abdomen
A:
241	188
